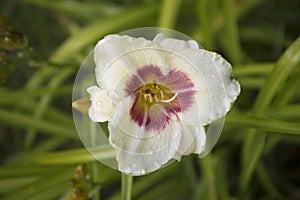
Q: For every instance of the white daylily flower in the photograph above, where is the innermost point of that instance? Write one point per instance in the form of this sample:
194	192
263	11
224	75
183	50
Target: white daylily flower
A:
157	96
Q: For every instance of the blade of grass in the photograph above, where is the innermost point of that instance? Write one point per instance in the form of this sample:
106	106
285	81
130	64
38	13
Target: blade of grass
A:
288	91
21	171
97	29
168	13
285	112
209	176
40	76
221	175
49	145
81	10
43	104
264	124
52	114
253	69
243	7
12	97
16	119
12	184
52	192
251	153
267	183
58	178
70	156
166	190
205	17
283	68
252	82
232	33
190	174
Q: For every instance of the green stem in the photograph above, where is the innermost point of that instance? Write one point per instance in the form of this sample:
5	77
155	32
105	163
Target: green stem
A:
208	171
126	186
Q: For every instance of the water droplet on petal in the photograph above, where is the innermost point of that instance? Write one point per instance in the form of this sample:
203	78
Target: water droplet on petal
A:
143	171
99	106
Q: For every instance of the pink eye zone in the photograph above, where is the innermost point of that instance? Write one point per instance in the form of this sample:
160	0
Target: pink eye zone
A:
155	89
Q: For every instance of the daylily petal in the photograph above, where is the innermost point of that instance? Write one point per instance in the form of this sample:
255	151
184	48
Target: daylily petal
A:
159	38
193	140
140	151
215	90
101	108
116	56
173	44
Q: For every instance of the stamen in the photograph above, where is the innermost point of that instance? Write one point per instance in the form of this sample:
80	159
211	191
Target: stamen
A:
162	94
169	100
150	98
156	99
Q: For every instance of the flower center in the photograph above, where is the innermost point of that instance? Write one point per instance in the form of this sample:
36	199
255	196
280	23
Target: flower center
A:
153	105
152	93
157	98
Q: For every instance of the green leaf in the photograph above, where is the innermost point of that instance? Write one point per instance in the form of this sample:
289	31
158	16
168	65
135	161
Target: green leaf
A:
264	124
168	13
71	156
231	30
253	146
46	183
97	29
24	121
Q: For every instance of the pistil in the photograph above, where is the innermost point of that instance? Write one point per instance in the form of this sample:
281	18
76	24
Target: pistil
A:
169	100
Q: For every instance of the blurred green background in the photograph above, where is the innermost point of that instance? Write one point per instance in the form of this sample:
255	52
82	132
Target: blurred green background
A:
43	42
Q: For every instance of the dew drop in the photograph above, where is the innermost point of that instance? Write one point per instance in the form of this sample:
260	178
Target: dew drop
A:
143	171
99	106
